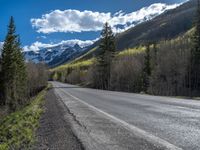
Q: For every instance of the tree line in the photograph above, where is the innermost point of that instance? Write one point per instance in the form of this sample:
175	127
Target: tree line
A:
170	67
18	80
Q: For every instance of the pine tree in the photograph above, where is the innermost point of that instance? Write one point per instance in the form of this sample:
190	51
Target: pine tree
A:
13	70
147	68
155	57
21	79
107	53
195	56
2	100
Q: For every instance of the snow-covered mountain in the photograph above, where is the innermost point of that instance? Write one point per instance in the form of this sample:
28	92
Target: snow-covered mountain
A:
1	46
54	55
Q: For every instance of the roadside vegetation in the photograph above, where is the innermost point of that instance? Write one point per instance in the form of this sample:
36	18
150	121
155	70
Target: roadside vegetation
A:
169	67
17	130
20	103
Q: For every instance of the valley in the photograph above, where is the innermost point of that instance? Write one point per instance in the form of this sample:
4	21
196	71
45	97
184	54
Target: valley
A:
103	75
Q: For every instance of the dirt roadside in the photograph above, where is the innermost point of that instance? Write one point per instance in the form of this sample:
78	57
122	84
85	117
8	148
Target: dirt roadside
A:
55	131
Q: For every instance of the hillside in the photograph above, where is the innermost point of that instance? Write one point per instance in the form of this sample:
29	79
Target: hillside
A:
166	26
84	61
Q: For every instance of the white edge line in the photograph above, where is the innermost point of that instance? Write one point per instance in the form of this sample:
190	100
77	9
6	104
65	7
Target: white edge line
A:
149	137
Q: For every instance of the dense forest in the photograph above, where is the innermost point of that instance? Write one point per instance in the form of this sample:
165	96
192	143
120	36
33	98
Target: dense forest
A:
168	67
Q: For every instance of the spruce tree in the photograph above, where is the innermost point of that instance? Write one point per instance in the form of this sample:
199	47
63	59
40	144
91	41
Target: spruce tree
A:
147	68
2	100
195	56
155	57
107	53
13	70
21	79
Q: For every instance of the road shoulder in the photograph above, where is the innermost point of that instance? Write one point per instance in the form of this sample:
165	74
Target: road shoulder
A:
55	129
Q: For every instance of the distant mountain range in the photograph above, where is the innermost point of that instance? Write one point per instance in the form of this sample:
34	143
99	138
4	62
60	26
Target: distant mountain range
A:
56	55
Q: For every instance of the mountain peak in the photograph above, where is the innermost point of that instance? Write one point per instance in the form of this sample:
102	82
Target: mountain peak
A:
77	47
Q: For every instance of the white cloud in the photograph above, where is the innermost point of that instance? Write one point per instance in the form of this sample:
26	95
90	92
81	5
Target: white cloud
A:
38	45
79	21
41	37
70	21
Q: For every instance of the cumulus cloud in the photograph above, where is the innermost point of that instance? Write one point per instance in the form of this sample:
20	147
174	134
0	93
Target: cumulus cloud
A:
39	45
70	21
78	21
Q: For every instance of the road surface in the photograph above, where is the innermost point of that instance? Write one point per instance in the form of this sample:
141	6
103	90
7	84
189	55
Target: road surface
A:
118	120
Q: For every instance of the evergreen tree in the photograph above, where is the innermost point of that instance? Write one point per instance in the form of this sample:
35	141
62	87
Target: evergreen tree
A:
155	57
107	53
13	70
195	56
147	68
21	79
2	100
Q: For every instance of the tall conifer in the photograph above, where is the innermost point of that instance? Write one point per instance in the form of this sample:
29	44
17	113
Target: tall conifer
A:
195	56
147	68
107	53
13	70
2	100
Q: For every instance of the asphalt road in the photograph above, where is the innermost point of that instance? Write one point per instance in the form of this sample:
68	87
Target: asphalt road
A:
141	121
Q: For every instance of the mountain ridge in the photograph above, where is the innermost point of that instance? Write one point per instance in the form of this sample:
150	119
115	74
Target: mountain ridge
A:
168	25
49	54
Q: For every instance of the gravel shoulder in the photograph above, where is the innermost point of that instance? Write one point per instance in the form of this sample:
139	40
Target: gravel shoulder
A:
55	131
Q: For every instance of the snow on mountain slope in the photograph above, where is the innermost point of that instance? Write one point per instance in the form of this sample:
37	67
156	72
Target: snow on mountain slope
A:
60	53
1	46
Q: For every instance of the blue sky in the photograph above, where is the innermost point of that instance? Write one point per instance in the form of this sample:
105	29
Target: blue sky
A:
81	24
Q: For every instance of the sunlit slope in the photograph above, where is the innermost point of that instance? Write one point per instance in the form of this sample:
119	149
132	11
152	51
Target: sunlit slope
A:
168	25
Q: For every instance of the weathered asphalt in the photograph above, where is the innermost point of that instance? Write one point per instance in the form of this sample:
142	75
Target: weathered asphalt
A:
55	132
117	120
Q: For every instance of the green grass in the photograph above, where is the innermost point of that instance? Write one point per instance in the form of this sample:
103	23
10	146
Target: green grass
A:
17	130
74	65
131	51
